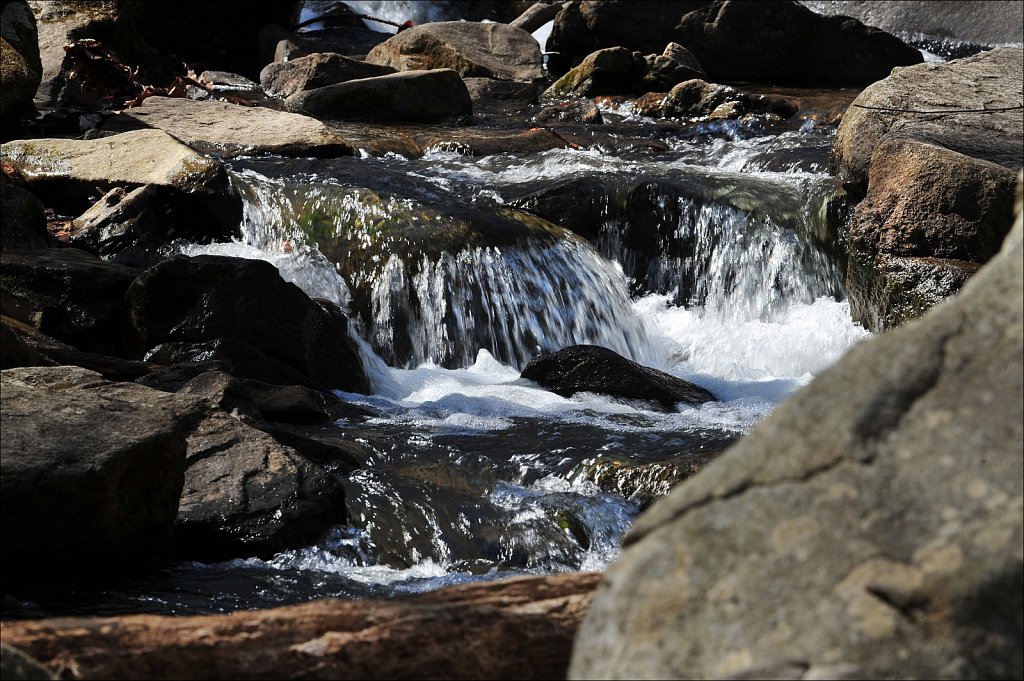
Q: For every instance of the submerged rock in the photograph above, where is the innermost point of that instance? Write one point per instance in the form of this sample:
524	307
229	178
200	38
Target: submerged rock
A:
698	98
871	525
589	368
206	298
473	50
100	497
422	96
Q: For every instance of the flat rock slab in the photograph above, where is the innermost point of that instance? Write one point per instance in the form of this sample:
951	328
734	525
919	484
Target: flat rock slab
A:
91	473
226	129
520	628
131	159
589	368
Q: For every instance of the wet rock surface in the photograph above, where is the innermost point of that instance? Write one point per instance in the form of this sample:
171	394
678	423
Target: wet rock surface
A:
22	220
588	368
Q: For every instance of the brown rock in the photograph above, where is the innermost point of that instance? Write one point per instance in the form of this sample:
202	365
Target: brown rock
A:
519	628
285	78
470	49
20	68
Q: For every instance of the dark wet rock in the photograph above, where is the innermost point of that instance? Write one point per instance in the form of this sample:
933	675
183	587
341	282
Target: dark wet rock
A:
883	498
935	186
237	357
70	295
170	378
698	98
422	96
990	80
285	78
131	227
982	23
519	628
202	299
322	444
473	50
777	42
245	494
22	220
67	173
577	110
589	368
642	482
224	129
887	291
19	666
20	68
103	497
576	203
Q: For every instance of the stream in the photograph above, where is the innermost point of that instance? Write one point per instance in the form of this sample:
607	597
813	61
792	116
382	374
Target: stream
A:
713	257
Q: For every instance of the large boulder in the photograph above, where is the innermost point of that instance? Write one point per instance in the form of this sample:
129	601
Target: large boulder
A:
611	71
936	189
965	87
473	50
202	299
68	172
70	295
245	494
91	474
283	79
423	96
519	628
226	129
776	41
870	527
20	68
589	368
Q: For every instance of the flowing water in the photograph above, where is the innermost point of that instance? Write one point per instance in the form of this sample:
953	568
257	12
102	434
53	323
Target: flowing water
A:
714	260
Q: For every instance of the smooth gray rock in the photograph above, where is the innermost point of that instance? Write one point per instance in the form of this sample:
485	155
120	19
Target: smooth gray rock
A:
226	129
473	50
91	474
872	524
18	666
422	96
